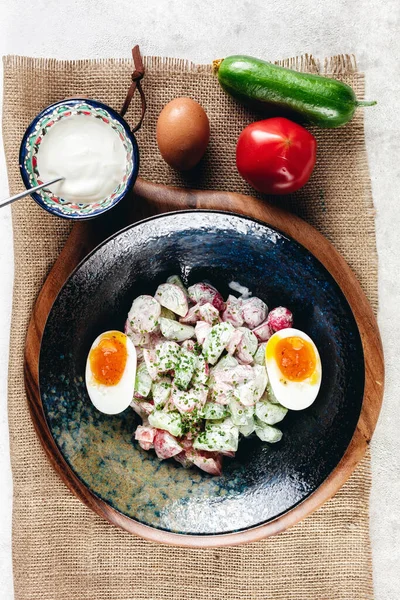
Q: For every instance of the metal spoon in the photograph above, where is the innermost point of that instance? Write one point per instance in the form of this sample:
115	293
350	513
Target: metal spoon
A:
29	191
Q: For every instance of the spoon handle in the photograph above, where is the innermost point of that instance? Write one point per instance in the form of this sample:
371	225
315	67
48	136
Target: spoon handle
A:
29	191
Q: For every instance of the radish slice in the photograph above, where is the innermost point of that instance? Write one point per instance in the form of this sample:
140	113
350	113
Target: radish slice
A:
150	359
165	445
280	318
250	392
221	393
234	376
202	293
233	312
144	314
143	409
234	342
172	297
263	332
192	316
202	330
137	339
189	345
145	437
209	314
183	460
254	312
187	401
247	346
210	462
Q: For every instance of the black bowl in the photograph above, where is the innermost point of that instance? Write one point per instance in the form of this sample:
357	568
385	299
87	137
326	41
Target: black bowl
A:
263	481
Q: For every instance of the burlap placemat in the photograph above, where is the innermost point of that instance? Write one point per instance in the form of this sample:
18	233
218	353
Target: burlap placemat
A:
61	549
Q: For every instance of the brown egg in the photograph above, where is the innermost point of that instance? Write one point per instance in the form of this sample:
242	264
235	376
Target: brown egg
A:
183	132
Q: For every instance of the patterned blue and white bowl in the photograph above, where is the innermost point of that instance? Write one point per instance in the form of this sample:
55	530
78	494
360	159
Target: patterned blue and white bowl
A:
33	138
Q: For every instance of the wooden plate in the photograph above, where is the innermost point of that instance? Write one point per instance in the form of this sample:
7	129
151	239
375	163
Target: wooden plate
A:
154	199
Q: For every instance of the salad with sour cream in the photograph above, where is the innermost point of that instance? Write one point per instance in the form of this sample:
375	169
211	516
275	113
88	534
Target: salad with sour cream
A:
201	379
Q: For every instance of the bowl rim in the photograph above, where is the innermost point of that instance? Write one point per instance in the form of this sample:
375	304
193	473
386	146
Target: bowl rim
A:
95	104
289	517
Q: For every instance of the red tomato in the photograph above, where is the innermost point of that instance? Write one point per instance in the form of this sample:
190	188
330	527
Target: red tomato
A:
276	156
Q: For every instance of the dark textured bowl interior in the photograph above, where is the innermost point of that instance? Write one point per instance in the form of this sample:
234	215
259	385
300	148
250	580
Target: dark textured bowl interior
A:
263	481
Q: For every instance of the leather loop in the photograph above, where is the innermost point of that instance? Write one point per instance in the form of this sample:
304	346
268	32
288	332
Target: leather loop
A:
136	77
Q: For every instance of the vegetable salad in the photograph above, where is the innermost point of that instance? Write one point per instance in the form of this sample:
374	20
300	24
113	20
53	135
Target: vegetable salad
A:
201	382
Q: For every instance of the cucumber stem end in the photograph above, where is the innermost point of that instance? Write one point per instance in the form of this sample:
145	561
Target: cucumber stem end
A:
366	102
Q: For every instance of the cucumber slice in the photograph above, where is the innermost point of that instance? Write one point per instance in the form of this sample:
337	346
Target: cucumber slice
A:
250	392
175	331
227	362
161	390
218	436
270	413
176	280
213	411
143	381
201	371
185	369
168	314
241	415
216	341
266	433
247	429
168	421
269	394
168	354
259	357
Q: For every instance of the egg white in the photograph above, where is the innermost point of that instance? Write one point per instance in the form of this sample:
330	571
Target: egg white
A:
113	399
294	395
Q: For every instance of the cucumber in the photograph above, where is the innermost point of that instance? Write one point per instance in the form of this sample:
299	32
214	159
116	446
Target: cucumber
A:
319	100
168	421
270	413
212	411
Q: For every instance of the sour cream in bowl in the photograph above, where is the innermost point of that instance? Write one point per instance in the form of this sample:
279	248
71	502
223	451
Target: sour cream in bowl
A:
88	144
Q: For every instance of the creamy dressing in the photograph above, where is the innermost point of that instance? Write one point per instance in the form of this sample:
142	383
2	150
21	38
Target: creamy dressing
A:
88	153
240	289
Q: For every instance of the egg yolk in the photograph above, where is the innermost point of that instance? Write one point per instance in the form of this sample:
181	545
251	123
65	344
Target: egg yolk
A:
295	358
108	359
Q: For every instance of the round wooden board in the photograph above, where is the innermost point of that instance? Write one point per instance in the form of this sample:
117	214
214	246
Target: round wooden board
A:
150	199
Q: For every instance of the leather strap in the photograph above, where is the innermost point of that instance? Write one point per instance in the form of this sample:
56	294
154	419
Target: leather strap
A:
136	76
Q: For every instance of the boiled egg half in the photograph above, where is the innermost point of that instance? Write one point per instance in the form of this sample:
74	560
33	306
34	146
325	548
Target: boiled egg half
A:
111	371
294	368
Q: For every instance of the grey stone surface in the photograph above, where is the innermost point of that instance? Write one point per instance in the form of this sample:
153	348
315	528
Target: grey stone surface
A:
201	31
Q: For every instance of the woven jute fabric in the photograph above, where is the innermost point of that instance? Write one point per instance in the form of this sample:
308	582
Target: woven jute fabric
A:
61	550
